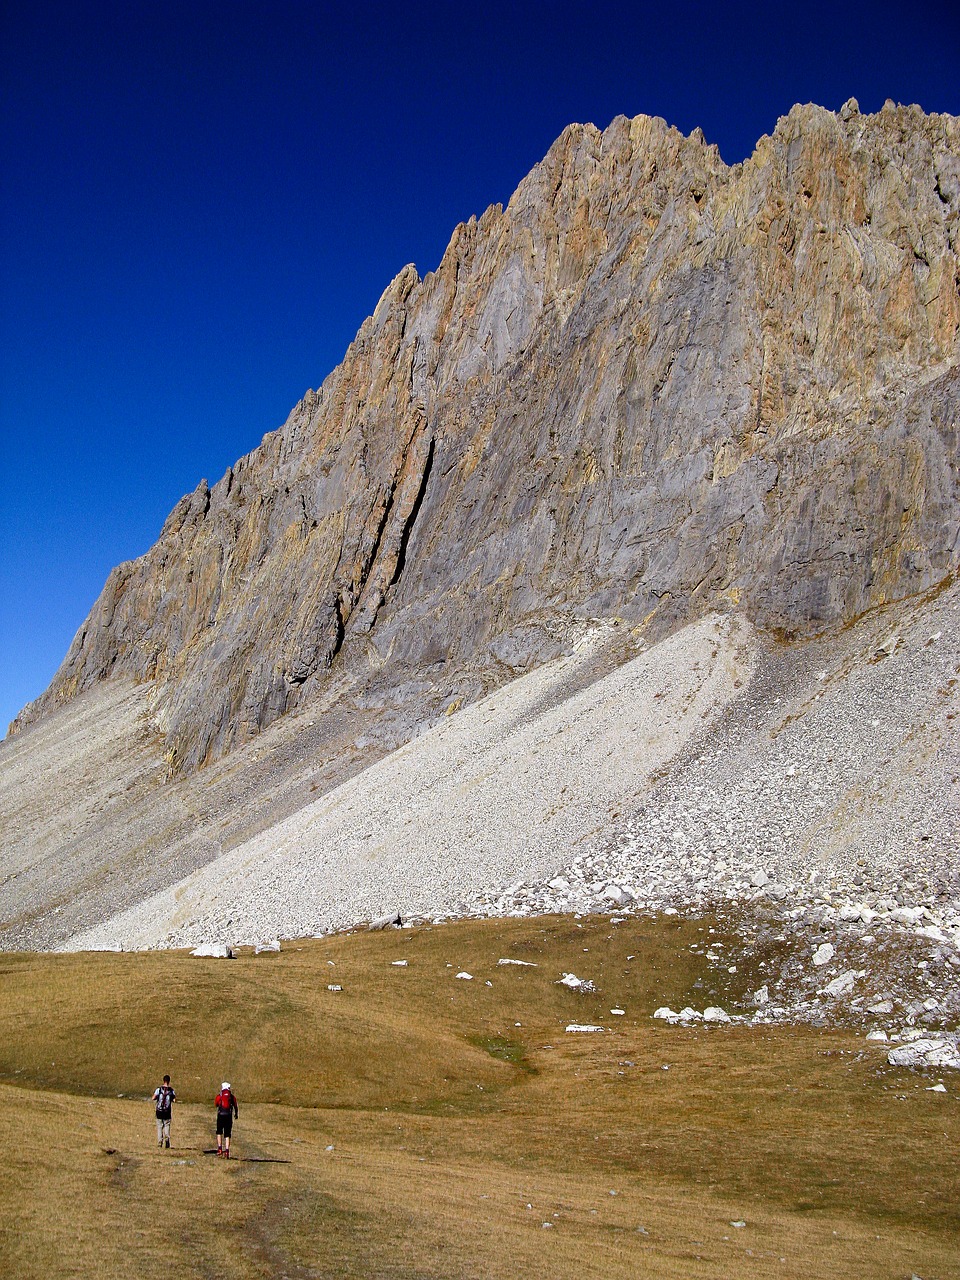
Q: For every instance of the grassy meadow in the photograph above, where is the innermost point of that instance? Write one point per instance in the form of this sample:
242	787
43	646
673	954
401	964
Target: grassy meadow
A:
414	1125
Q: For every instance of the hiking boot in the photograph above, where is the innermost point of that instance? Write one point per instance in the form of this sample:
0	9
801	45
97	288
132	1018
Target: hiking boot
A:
167	1143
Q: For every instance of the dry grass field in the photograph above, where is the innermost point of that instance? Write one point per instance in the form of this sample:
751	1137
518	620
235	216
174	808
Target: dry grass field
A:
414	1125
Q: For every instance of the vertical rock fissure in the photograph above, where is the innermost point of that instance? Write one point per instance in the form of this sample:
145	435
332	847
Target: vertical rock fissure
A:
412	518
404	501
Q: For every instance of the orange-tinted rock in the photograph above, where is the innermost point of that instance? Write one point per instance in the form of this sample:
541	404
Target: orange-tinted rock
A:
652	384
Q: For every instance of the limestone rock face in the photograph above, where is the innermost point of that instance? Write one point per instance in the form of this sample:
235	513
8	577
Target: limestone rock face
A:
651	385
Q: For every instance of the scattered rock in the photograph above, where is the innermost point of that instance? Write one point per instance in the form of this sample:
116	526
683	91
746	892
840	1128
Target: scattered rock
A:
840	985
933	932
574	983
392	920
925	1053
666	1014
881	1006
213	951
715	1014
621	897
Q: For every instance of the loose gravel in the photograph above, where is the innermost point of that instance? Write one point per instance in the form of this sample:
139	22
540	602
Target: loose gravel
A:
819	813
806	796
511	785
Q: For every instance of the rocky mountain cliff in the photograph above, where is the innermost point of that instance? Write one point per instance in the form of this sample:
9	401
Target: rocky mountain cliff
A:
652	385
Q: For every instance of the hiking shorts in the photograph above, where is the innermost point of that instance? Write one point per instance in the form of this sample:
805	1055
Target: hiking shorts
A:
224	1123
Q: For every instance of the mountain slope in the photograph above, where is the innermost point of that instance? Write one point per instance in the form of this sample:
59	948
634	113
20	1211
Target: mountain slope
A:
651	383
508	788
653	388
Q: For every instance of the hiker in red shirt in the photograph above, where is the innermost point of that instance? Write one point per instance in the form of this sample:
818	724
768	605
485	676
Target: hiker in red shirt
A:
227	1108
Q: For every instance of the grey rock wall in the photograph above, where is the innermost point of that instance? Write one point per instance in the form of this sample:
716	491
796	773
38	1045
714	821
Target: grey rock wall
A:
653	385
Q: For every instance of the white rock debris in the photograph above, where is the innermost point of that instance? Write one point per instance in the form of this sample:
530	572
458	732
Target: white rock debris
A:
842	984
812	816
574	983
926	1053
713	1013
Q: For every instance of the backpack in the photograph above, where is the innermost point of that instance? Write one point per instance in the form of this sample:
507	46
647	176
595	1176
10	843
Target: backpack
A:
164	1098
225	1101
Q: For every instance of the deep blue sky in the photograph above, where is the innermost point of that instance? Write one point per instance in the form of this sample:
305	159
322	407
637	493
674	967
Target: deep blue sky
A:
199	204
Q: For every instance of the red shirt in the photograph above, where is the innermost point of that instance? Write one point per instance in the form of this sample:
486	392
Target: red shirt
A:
226	1102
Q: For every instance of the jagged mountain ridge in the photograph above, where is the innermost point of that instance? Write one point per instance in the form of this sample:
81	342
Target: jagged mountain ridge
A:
652	384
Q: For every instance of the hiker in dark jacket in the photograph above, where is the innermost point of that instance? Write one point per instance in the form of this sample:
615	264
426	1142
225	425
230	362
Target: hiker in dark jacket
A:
226	1110
164	1097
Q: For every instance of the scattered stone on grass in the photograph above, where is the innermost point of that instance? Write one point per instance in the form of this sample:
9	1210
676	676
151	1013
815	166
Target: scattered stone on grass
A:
925	1053
391	920
574	983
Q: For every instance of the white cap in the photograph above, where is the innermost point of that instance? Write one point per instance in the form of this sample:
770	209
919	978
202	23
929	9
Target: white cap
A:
225	1085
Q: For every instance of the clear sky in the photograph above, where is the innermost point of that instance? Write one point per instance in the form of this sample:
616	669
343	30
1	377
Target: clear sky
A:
200	202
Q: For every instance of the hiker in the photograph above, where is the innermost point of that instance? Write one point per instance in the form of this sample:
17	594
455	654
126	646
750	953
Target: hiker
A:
226	1109
164	1097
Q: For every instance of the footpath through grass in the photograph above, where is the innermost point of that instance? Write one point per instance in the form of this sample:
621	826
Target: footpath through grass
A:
417	1124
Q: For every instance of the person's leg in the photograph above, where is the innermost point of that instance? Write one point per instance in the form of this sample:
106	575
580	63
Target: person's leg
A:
226	1144
166	1133
159	1132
